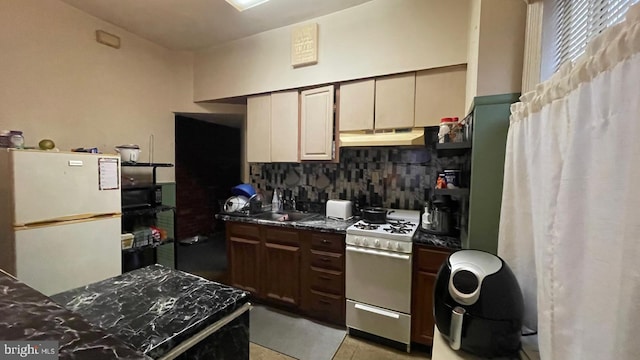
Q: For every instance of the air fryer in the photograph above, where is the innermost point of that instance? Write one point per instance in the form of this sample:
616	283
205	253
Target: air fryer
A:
478	305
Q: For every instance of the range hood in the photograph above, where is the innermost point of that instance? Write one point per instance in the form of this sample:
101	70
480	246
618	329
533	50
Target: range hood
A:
409	137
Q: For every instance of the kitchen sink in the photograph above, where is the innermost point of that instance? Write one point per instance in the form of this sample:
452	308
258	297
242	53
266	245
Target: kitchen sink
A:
285	216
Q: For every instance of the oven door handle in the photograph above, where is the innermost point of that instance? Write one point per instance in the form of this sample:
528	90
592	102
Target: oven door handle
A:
377	311
378	253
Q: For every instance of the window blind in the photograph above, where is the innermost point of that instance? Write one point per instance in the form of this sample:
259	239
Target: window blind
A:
578	21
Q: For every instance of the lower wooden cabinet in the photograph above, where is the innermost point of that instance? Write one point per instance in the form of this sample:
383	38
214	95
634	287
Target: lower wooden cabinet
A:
300	270
427	261
281	267
243	247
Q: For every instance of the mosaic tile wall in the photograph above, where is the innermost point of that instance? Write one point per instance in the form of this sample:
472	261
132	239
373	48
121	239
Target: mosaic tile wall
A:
392	177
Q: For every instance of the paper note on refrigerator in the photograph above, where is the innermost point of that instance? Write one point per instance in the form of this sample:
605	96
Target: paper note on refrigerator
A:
109	179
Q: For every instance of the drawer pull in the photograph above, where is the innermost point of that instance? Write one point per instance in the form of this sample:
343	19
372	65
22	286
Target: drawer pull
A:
325	241
324	302
377	311
325	259
325	278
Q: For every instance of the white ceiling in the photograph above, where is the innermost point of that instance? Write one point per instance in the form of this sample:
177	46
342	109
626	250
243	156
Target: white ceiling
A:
197	24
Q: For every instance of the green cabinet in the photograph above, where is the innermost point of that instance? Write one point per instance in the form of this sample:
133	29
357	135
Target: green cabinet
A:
490	126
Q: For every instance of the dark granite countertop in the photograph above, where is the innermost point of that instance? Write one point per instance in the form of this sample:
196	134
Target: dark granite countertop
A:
316	222
153	308
448	242
28	315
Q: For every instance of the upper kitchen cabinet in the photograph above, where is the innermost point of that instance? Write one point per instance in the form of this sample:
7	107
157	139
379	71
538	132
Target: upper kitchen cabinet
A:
272	127
284	126
395	101
356	105
440	93
316	124
258	125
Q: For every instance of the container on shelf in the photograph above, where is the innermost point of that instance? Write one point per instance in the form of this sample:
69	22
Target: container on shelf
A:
142	237
450	130
441	182
452	178
127	241
456	133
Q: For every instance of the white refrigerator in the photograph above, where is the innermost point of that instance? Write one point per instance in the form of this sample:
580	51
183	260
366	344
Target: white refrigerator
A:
60	218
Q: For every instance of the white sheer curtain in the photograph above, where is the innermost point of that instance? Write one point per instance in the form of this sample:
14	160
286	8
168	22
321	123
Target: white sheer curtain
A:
570	223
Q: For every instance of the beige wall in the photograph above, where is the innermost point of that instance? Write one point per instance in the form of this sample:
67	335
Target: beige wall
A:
495	61
472	52
57	82
375	38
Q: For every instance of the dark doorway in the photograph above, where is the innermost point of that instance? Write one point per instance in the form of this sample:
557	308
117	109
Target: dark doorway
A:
208	165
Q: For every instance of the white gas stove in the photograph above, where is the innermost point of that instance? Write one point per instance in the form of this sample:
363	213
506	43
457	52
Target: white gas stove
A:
378	276
394	235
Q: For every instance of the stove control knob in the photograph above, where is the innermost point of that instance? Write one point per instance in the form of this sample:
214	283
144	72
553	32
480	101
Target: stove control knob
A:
356	240
365	242
389	245
399	246
377	243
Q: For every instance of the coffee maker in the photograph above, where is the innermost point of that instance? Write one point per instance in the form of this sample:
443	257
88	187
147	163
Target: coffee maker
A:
437	217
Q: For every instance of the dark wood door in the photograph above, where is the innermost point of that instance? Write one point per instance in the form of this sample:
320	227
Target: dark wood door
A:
244	263
282	273
422	321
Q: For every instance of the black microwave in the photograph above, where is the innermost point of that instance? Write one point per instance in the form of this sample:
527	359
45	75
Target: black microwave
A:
136	197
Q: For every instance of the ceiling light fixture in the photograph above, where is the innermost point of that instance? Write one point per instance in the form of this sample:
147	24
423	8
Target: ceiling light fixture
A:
242	5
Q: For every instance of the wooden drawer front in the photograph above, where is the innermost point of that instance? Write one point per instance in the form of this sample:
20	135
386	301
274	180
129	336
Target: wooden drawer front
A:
327	307
282	236
327	281
246	231
328	242
327	260
430	260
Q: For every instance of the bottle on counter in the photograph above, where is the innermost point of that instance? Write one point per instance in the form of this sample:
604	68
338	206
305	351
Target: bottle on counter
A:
274	200
280	202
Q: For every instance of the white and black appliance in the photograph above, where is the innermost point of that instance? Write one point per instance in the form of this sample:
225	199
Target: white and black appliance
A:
478	305
378	276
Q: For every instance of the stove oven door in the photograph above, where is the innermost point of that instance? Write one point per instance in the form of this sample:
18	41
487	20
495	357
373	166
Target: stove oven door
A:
378	277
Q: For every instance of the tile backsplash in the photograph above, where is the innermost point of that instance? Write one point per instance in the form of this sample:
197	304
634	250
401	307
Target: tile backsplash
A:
392	177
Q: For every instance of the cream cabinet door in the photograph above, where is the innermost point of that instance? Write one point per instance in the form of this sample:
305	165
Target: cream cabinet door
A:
259	128
284	126
395	101
316	124
440	93
356	105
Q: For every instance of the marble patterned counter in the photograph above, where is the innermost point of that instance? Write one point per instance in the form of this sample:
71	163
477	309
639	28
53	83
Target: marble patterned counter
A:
156	308
442	241
315	222
28	315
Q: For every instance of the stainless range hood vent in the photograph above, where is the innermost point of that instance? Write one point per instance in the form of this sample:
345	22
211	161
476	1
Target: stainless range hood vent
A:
406	137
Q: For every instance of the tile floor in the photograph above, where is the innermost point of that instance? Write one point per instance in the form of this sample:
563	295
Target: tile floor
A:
350	349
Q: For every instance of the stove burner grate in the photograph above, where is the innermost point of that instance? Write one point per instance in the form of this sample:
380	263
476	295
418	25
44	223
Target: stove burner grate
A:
400	223
392	229
366	226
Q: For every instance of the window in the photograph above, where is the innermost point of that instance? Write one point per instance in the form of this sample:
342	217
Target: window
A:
578	21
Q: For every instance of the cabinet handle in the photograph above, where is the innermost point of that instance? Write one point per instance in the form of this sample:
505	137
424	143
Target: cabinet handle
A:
325	278
325	241
324	302
325	259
